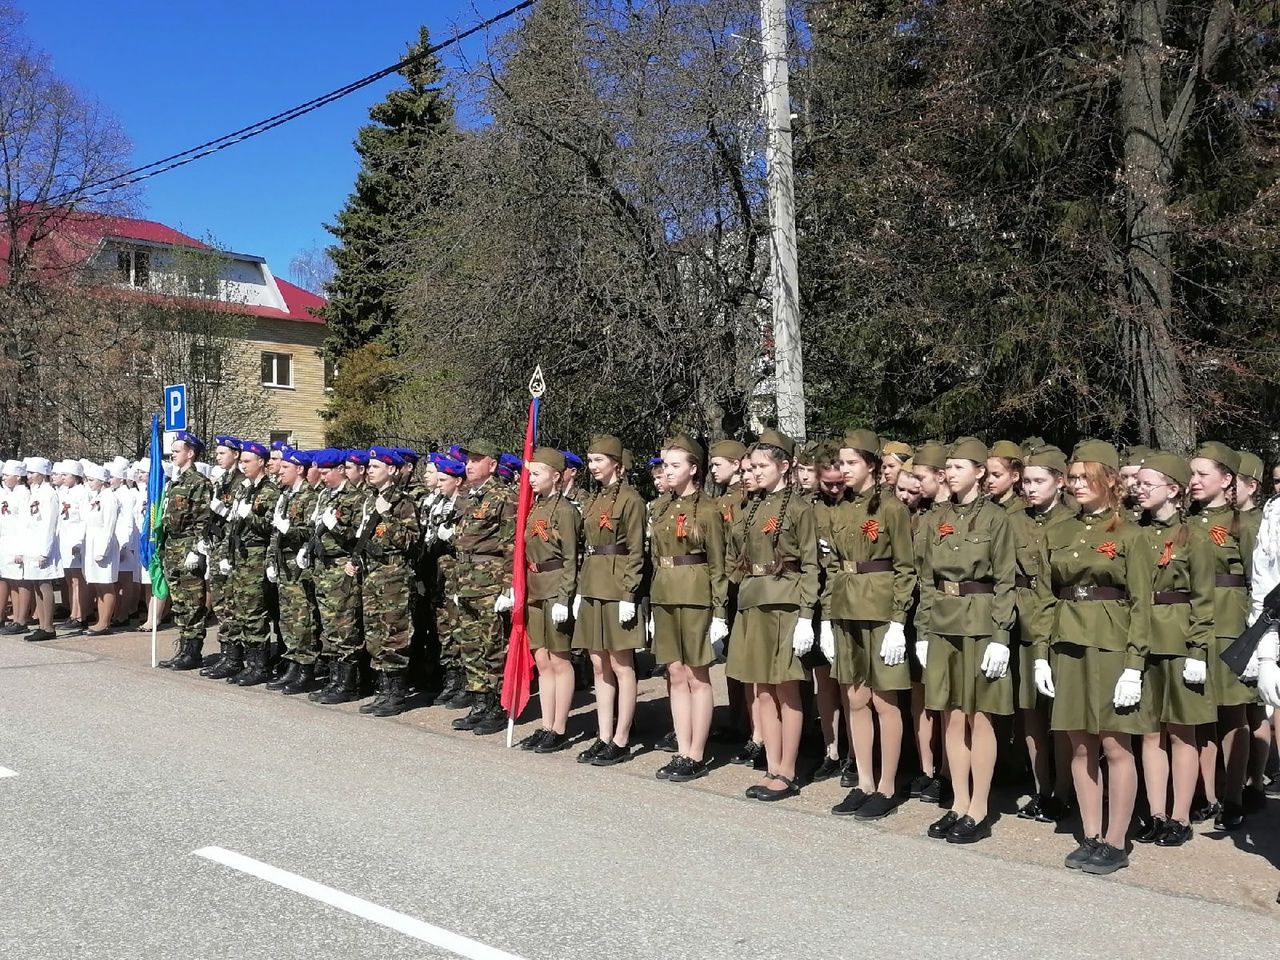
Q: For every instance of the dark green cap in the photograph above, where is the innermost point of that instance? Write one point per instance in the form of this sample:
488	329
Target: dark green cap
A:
682	441
1048	456
1219	453
728	449
1172	466
930	454
550	457
481	447
1135	455
607	444
1007	449
864	440
895	448
1096	451
775	438
1250	465
968	448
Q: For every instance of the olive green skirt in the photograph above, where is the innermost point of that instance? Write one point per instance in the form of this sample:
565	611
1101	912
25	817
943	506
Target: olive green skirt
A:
1084	681
952	680
1176	702
545	633
1227	689
761	650
1022	666
858	661
597	627
680	634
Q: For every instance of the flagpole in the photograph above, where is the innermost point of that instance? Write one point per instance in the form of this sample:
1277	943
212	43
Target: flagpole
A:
518	642
155	609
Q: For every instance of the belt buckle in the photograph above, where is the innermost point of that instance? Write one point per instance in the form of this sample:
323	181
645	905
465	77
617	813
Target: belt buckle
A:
591	551
666	562
1080	593
951	588
1033	584
758	570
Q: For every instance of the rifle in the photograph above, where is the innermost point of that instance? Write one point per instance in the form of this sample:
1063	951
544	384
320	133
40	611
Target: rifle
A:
1238	655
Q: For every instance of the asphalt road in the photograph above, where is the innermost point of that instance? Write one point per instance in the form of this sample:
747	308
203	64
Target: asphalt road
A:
123	772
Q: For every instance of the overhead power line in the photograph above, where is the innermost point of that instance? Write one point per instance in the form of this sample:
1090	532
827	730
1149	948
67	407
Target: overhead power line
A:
173	161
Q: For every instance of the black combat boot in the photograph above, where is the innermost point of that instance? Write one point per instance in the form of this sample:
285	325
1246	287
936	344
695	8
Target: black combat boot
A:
286	678
331	681
255	671
462	700
380	685
452	687
232	662
395	687
191	657
179	649
494	719
303	682
346	688
479	707
217	662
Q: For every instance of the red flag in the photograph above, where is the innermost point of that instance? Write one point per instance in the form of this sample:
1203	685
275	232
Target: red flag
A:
517	673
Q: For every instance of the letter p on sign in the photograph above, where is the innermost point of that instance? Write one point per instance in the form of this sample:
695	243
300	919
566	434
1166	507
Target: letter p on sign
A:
175	407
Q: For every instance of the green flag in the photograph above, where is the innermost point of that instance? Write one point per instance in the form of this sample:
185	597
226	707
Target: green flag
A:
159	585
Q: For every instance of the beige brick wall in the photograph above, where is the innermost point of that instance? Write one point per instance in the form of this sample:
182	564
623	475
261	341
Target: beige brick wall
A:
296	409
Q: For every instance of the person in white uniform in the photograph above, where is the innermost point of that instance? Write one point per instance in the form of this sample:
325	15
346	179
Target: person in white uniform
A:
101	546
41	566
127	537
68	480
13	507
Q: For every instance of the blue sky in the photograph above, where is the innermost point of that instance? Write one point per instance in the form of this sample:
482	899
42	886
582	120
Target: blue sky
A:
179	73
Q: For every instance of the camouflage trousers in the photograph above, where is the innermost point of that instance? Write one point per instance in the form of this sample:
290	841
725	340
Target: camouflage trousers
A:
447	614
245	602
221	597
186	591
481	638
338	597
299	616
386	594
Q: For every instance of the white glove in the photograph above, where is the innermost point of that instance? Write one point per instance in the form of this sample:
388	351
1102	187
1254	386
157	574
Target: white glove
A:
303	559
802	639
559	613
329	518
279	522
922	652
273	575
279	512
244	509
1251	668
219	506
1044	678
718	634
202	547
893	648
1269	682
626	613
100	560
382	505
649	626
827	640
995	661
445	534
577	602
192	561
224	567
504	602
1128	689
1194	672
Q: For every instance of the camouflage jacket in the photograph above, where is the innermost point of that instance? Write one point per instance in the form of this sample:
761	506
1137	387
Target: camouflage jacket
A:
254	529
485	539
224	491
346	502
186	507
298	507
388	531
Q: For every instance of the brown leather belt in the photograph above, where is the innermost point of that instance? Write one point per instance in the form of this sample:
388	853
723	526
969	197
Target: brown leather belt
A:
866	566
1083	592
478	557
546	566
608	550
964	588
773	569
1230	580
1026	583
684	560
1167	597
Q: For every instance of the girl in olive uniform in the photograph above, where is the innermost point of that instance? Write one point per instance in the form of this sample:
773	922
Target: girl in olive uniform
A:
1214	468
1043	477
687	602
774	548
1248	489
826	691
1180	634
552	533
1093	608
966	614
871	579
1003	481
606	609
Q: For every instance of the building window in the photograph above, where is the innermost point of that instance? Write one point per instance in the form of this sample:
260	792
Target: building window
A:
133	267
277	369
330	373
283	436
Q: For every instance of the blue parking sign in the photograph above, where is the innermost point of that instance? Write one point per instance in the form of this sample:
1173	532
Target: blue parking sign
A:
175	407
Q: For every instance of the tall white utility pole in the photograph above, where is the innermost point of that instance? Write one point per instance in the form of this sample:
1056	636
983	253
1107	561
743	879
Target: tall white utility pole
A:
788	366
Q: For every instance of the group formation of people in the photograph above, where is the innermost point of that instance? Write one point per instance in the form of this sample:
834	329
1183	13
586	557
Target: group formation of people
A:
940	592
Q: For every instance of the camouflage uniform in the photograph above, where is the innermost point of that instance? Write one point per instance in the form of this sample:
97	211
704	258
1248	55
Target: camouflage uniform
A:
385	545
337	594
215	537
444	583
485	545
246	550
186	506
299	617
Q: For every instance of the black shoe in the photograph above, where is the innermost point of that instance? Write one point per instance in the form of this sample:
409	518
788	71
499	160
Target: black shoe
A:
232	663
533	739
395	690
346	684
1032	809
667	744
1208	812
552	743
665	771
827	769
852	803
39	636
216	662
919	784
589	754
1151	830
479	707
286	678
379	696
753	792
968	830
1174	834
452	687
690	770
493	721
1230	817
1078	857
610	754
933	792
1105	859
330	683
1052	810
1255	800
1272	790
462	700
772	794
849	774
167	664
303	682
255	670
877	807
749	754
942	826
191	656
13	629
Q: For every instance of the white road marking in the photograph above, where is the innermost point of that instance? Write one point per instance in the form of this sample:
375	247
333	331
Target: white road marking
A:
6	772
402	923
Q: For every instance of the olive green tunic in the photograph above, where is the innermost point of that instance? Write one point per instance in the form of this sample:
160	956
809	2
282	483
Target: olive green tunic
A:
614	518
773	547
1094	641
1232	537
686	594
1029	533
963	543
1182	567
552	534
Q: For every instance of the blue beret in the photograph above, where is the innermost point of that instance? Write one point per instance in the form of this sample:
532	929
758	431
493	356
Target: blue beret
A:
279	445
299	457
456	452
231	443
571	459
327	458
253	446
655	462
385	455
510	461
190	439
448	465
358	457
408	454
